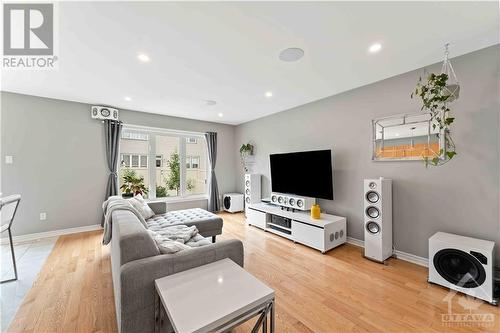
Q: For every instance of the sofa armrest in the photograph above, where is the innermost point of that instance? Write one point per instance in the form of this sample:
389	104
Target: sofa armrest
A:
137	277
158	207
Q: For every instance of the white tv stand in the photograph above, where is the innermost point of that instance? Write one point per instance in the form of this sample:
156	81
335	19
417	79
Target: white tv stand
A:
323	234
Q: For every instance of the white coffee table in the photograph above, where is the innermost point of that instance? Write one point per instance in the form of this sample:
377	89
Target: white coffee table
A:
213	298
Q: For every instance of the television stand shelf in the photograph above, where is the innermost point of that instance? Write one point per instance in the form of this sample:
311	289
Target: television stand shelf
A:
322	234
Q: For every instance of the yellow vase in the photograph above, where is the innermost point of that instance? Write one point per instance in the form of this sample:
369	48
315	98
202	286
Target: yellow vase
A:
315	212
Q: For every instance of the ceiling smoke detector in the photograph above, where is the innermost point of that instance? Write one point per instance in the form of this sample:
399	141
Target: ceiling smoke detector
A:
210	102
291	54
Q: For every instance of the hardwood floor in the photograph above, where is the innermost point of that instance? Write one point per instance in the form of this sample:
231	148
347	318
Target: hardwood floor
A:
336	292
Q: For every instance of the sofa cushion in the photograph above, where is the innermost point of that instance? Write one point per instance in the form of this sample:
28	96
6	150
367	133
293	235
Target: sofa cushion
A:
141	206
202	219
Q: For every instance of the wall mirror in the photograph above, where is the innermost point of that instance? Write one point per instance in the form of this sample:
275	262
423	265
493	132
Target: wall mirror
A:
406	137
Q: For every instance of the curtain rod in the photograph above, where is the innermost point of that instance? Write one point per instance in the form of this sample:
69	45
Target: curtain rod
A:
162	130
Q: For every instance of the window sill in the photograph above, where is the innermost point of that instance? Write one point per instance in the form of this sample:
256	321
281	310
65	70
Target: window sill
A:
179	199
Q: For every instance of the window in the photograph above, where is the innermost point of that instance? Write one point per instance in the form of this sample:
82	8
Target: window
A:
179	167
192	162
134	161
159	161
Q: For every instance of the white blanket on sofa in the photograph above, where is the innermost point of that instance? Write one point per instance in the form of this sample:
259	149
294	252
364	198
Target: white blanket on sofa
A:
177	238
109	206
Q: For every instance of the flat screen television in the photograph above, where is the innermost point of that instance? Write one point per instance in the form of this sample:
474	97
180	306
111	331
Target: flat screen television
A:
307	173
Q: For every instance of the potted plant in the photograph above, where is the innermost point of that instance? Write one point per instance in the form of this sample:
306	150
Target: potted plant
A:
132	184
435	94
245	151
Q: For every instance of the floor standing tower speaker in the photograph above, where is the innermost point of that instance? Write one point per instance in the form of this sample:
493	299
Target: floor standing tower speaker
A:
252	189
378	218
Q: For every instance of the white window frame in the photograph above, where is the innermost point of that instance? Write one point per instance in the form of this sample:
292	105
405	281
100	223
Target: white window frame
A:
152	132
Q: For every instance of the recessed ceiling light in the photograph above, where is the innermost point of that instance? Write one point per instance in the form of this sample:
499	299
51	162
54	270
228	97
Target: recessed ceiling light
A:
221	114
291	54
210	102
143	57
269	94
375	47
128	99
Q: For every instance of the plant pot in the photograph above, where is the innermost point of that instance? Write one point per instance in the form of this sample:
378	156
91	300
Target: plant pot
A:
452	90
127	195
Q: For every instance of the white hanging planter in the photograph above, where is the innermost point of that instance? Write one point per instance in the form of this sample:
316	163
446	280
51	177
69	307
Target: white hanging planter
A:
452	86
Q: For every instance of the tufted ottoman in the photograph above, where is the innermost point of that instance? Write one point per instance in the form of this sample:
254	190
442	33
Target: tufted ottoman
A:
208	224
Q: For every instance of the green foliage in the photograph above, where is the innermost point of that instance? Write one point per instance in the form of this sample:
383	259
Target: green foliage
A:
435	97
245	150
132	183
173	181
161	191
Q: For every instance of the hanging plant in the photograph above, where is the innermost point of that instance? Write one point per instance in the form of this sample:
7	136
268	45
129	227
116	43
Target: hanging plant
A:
245	151
436	93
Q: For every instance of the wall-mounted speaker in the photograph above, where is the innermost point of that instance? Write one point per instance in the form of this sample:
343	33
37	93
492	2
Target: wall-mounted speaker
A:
292	201
378	218
252	189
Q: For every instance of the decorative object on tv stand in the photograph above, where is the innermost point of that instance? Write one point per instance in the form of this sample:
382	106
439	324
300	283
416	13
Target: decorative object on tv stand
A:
246	150
315	212
378	218
252	189
436	93
463	264
233	202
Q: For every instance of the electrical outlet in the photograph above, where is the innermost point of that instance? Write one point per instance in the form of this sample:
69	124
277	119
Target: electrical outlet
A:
43	216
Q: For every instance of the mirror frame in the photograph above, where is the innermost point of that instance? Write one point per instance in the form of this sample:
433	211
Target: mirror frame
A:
403	118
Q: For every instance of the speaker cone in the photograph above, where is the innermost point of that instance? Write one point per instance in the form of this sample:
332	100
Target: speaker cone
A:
247	191
372	185
372	196
291	201
227	202
300	203
373	227
273	198
372	212
460	268
247	200
280	200
247	183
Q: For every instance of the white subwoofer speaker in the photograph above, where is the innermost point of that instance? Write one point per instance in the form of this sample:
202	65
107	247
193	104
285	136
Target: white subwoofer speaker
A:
292	201
233	202
378	218
252	189
462	263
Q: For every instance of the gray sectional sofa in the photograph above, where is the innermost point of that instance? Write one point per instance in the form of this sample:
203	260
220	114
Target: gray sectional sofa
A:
136	263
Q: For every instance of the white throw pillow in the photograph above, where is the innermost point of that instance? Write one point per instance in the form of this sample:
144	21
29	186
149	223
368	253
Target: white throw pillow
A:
141	206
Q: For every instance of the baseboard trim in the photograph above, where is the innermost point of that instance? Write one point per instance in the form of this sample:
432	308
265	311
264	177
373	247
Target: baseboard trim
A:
397	254
47	234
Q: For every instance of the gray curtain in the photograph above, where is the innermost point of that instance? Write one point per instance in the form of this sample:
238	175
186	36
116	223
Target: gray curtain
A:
213	190
112	132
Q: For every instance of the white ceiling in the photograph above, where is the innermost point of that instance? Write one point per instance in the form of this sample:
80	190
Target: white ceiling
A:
228	52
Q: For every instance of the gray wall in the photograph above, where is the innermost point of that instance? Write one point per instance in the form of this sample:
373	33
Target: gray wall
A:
460	197
59	159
